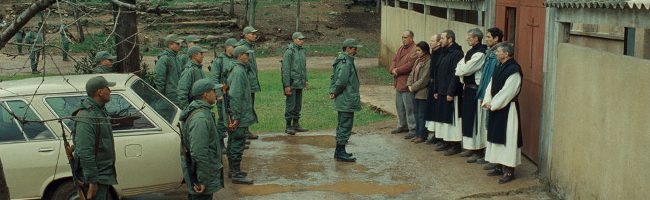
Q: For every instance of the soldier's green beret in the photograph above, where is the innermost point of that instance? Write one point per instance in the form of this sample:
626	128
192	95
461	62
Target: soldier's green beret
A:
103	55
204	85
231	42
173	38
192	38
240	50
196	49
351	43
249	29
297	35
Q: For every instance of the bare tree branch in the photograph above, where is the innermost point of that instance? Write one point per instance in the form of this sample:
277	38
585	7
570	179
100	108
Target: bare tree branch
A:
22	19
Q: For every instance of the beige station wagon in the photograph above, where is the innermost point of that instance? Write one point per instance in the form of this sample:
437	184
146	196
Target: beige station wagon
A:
35	164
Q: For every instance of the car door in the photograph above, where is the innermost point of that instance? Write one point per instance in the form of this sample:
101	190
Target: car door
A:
145	155
29	151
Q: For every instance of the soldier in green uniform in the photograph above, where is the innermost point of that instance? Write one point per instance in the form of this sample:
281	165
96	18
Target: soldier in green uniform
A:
191	73
35	40
20	35
344	89
219	70
294	80
242	116
92	123
168	69
250	36
183	56
65	42
104	61
198	130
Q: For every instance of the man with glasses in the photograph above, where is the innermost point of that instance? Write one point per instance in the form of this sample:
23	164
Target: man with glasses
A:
294	80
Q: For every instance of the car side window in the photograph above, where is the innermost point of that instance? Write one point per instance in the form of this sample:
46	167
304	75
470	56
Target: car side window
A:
13	130
162	106
125	116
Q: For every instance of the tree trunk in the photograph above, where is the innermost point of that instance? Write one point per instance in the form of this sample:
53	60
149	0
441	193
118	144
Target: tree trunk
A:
4	189
126	40
22	19
250	12
298	16
232	8
80	28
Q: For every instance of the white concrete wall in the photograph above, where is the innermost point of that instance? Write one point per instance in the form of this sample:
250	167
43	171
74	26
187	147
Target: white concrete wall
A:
601	136
395	20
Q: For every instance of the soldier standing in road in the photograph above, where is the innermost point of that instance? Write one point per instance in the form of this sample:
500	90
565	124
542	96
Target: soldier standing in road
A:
294	80
168	69
65	42
183	56
35	40
93	139
104	61
344	89
241	113
192	72
219	70
198	131
250	36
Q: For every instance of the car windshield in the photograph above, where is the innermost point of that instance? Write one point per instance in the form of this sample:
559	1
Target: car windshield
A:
161	105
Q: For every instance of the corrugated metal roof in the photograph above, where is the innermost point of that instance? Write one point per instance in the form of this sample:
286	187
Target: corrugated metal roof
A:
612	4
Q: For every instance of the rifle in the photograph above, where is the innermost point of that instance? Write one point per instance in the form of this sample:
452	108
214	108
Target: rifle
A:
76	172
190	164
230	124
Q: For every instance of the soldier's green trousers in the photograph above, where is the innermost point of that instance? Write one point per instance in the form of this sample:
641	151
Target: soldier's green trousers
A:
293	105
20	46
221	121
66	48
236	144
344	127
102	192
33	58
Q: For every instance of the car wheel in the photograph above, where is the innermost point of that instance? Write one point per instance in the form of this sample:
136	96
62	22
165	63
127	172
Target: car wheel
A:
65	191
68	191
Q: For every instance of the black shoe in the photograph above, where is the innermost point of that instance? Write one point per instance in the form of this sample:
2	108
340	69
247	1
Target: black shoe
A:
497	171
297	128
232	173
409	136
35	72
250	136
508	175
453	150
490	166
474	158
431	140
240	178
399	130
467	153
289	130
481	161
339	154
442	146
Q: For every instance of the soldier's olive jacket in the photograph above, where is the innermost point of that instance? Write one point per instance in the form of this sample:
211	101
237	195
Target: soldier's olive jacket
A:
64	38
344	84
240	99
199	128
252	62
183	58
294	67
93	119
167	73
221	67
191	73
34	38
101	69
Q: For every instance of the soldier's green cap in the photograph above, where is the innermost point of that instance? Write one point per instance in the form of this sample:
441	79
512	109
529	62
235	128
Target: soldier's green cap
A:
173	38
351	43
240	50
96	83
196	49
297	35
192	38
249	29
103	55
204	85
231	42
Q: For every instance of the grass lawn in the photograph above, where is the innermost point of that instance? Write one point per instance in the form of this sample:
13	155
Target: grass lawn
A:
317	109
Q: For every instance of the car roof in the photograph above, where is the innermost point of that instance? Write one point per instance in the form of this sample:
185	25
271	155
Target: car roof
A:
58	84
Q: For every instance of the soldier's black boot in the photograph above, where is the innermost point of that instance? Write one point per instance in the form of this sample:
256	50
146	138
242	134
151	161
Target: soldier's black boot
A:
342	151
290	130
346	152
231	171
297	128
239	177
340	155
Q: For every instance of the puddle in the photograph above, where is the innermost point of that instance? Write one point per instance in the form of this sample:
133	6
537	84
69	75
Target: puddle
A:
356	187
322	141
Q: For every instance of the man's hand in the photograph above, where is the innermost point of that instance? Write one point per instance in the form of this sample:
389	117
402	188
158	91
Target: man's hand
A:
198	188
450	98
488	106
410	88
233	125
394	72
435	96
332	96
219	98
287	91
92	191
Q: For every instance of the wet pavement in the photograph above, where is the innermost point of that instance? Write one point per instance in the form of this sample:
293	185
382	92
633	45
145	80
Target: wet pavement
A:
387	167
